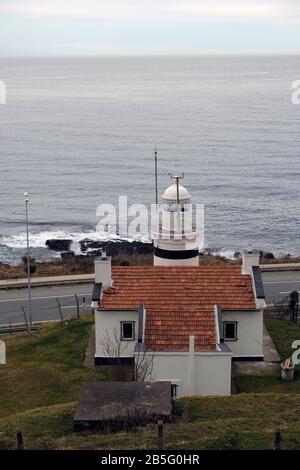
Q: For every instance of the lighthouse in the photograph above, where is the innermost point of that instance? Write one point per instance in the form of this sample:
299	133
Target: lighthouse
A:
176	240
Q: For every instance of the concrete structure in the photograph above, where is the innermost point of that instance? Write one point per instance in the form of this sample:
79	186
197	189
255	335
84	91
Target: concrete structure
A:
2	352
195	373
120	405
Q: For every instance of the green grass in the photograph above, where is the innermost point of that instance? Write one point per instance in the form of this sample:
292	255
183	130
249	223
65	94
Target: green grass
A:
245	421
283	333
39	388
46	368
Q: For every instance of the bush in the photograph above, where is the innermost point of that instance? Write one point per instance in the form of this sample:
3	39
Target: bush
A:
32	266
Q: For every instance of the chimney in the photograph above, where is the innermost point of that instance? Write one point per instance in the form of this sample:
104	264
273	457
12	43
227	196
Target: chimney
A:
250	258
103	270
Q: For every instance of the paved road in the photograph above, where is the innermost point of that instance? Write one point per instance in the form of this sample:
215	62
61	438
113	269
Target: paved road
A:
44	304
280	284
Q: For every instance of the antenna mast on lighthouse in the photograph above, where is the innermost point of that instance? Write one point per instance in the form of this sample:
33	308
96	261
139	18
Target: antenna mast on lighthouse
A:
156	188
176	178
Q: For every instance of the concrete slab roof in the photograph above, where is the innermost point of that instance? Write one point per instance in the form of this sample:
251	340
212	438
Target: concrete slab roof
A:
117	401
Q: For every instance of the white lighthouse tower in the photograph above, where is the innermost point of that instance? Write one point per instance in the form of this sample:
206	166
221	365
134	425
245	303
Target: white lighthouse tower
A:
176	241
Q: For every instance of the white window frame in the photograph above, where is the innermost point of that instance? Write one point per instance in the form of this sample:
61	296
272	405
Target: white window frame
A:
232	322
122	331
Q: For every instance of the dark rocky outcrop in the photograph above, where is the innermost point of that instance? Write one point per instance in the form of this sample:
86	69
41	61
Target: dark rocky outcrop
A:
67	255
114	248
59	245
266	255
92	248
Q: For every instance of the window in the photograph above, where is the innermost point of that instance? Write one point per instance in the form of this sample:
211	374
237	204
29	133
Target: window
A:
230	330
127	330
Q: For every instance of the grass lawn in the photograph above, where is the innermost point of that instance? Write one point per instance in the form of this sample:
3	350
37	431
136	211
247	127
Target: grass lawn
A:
45	368
283	333
245	421
39	388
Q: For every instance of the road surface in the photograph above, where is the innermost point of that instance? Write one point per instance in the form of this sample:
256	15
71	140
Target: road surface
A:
44	303
45	307
280	284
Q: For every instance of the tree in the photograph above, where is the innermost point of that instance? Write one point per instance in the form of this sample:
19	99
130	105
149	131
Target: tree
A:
114	348
143	367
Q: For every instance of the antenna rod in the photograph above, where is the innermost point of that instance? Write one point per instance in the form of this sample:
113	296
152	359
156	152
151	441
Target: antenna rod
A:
177	184
177	178
156	189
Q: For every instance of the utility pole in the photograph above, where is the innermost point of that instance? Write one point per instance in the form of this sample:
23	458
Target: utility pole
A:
28	260
277	440
60	311
25	318
77	307
160	435
20	439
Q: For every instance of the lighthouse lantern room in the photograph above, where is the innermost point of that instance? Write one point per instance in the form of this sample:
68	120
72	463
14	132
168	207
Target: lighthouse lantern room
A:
176	240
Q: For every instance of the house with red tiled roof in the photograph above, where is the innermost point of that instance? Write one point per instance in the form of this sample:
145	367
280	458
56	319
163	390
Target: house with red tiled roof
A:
177	321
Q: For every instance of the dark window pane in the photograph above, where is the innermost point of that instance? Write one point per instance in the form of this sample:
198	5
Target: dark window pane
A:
127	330
230	330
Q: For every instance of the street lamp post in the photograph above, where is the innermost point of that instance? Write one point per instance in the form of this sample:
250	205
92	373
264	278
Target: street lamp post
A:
28	259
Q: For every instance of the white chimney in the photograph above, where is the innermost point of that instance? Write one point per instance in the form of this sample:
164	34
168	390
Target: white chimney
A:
103	270
250	258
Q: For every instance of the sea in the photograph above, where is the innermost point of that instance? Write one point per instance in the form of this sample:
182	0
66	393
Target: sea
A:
79	132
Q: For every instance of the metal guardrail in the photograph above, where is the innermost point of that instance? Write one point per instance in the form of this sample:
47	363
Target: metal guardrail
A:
48	281
279	267
16	329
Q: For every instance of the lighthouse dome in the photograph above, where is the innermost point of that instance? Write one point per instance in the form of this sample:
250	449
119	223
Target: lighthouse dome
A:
170	194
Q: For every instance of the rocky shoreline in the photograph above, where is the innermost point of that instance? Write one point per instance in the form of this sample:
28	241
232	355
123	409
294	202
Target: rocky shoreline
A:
123	252
92	248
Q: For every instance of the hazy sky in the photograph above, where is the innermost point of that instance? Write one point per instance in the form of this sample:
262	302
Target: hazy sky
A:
55	27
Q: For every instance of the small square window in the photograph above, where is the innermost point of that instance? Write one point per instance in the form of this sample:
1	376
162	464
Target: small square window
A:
127	330
230	330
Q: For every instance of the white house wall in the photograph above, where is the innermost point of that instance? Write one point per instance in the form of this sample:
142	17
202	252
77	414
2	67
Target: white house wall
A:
249	333
212	372
108	321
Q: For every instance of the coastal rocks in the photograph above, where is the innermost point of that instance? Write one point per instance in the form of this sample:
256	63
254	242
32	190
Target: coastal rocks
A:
266	255
92	248
87	244
70	256
114	248
67	255
59	245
